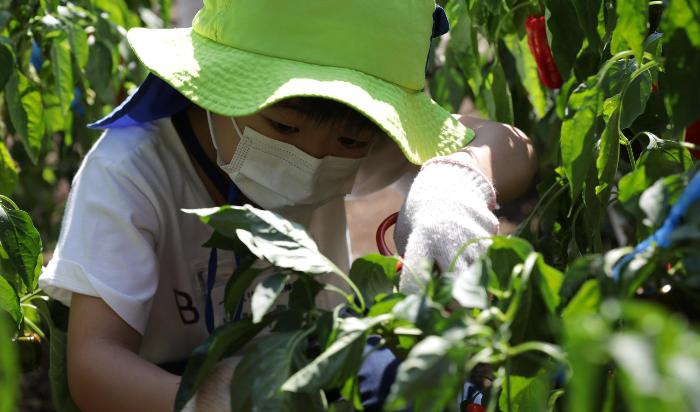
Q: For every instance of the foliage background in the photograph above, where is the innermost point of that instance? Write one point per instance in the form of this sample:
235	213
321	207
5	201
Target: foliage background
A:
612	162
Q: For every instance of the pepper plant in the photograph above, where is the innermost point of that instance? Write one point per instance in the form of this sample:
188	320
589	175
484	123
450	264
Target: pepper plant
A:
574	340
622	105
62	64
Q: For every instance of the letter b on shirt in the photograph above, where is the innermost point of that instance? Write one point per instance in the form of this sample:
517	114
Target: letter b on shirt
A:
185	305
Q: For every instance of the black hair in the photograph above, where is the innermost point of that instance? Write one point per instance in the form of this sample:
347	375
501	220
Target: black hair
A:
331	112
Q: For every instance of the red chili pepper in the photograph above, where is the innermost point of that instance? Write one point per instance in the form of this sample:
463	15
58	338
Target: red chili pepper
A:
692	135
475	408
537	40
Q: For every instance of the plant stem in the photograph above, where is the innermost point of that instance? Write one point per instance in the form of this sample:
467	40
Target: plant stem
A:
33	326
352	285
31	296
641	69
608	64
508	389
535	210
341	292
4	198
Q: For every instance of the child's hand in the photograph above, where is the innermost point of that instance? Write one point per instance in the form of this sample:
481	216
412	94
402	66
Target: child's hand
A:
449	204
215	392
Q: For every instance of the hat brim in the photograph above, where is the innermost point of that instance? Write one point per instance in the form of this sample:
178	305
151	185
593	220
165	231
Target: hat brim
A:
234	82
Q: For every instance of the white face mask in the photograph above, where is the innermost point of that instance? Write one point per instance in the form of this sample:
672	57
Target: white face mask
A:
278	175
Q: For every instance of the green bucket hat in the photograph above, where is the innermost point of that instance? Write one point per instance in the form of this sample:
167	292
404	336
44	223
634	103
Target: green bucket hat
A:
241	56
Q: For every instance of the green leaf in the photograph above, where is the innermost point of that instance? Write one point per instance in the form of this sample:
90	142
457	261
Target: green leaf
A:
527	70
448	85
79	45
62	68
339	361
239	283
503	254
385	304
7	63
262	371
651	166
494	96
563	98
422	312
99	70
268	236
9	301
650	352
5	15
680	78
527	393
8	172
617	76
223	342
266	293
469	289
608	156
21	241
463	43
611	105
636	97
578	135
26	113
683	15
303	294
549	281
58	370
374	274
429	376
535	293
631	29
656	201
587	13
9	369
586	354
564	37
118	12
54	118
165	8
585	301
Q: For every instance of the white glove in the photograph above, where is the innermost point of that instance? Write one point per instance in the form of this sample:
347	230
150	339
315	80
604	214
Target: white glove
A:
214	394
450	203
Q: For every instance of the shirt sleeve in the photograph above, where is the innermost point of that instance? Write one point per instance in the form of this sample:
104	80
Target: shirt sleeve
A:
107	243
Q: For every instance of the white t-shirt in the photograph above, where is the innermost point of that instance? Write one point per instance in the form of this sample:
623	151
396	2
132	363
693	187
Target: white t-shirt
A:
125	239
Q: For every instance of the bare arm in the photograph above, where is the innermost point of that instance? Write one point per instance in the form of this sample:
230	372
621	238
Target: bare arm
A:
105	372
504	154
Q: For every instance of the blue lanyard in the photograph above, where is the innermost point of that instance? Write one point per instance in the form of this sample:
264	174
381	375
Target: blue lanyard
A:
232	198
662	237
223	185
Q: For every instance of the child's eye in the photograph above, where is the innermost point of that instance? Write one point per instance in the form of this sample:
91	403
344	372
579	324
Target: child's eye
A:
282	128
352	143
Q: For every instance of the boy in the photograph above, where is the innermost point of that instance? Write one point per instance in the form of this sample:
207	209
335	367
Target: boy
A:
288	105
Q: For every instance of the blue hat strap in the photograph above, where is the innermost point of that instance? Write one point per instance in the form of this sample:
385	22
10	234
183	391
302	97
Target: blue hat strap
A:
441	25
